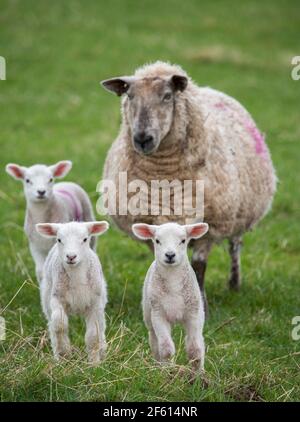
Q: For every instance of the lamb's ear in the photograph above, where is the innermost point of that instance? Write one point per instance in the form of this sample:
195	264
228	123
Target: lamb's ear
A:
144	231
195	231
98	227
47	229
61	169
118	85
16	171
179	82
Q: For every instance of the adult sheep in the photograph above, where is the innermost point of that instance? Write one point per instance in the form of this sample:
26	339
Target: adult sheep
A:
173	129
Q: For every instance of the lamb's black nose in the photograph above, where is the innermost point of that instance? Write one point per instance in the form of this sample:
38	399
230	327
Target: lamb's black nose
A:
170	256
41	192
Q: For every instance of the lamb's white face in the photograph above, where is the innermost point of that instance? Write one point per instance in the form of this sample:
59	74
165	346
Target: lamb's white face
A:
73	239
170	244
38	180
170	240
73	243
38	183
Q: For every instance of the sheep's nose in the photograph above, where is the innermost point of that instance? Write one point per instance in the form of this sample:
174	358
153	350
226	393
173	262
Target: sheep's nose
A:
41	192
71	257
143	140
170	255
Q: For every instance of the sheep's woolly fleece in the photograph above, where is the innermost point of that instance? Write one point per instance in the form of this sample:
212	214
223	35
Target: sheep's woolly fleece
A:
212	138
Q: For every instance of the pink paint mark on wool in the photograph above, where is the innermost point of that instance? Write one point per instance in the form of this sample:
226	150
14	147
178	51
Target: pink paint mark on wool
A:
220	105
258	137
77	211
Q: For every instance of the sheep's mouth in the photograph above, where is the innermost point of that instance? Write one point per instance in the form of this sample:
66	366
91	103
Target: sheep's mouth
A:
170	261
146	147
72	262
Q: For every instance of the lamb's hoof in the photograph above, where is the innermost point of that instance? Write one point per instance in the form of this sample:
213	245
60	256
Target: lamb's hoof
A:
95	361
166	363
195	375
62	354
96	358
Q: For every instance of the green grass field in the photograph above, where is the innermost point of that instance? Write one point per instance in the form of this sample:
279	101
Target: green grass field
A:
52	108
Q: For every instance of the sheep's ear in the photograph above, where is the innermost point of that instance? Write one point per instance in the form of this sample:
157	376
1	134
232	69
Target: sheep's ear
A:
179	82
195	231
61	169
16	171
98	227
118	85
47	229
143	231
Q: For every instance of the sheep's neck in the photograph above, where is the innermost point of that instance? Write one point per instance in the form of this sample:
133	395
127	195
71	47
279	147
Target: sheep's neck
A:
40	212
172	277
77	275
163	164
180	153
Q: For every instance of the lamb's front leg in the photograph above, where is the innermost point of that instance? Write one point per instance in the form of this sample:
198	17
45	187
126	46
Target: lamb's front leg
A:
95	335
39	260
194	342
58	327
162	330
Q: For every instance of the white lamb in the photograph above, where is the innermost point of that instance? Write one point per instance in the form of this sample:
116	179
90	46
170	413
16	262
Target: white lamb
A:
73	283
49	203
171	292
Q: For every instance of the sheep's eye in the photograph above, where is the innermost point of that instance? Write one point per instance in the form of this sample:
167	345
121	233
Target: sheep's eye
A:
167	97
85	239
27	181
183	241
59	240
51	180
157	241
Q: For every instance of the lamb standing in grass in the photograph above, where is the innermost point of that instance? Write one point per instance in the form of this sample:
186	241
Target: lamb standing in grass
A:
174	130
171	292
49	203
73	283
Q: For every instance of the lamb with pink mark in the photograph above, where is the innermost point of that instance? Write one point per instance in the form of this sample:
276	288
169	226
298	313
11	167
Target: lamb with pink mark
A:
73	283
171	293
49	202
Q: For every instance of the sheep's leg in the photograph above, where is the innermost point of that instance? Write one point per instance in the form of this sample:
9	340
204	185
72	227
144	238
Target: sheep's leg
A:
39	260
153	344
199	264
162	329
151	333
58	327
95	336
194	342
235	272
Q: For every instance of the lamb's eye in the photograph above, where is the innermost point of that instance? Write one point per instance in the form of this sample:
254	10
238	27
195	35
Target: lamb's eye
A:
59	240
157	241
27	181
167	97
85	239
183	241
51	180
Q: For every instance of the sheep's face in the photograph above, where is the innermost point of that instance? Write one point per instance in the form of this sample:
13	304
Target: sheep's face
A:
73	239
38	180
170	240
149	107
